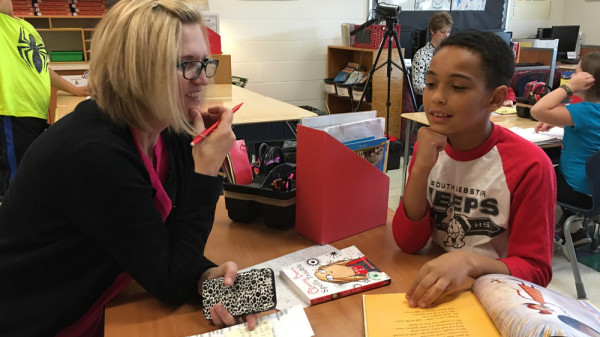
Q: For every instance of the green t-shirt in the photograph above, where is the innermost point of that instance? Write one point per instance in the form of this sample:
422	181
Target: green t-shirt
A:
24	76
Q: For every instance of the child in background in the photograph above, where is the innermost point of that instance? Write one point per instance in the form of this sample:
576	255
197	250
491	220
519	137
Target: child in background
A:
482	193
25	81
510	98
581	122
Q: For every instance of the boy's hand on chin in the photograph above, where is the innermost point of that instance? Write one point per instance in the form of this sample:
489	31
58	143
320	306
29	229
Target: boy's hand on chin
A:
430	143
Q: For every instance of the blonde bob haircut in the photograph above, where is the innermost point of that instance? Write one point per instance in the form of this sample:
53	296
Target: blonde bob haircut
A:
133	64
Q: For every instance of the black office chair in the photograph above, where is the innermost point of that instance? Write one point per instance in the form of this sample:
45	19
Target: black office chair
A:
587	216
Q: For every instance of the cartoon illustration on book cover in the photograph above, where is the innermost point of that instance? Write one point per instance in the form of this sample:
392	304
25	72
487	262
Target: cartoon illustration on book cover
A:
332	275
344	271
520	308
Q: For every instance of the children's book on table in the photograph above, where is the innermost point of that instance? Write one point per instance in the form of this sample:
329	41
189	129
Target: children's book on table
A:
498	305
333	275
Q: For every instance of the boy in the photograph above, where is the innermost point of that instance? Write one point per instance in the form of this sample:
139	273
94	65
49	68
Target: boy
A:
481	192
24	90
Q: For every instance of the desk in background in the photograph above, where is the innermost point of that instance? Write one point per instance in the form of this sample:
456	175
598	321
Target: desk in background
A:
507	121
223	76
135	313
256	109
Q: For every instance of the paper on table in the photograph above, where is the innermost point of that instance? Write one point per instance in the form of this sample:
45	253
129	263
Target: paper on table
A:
287	298
506	110
388	315
262	329
286	323
540	137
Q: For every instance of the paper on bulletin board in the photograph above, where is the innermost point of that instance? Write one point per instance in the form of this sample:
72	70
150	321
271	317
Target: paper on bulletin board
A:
468	5
432	5
531	9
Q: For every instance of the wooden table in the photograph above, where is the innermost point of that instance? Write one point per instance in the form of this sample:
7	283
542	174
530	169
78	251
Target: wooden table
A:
135	313
257	108
507	121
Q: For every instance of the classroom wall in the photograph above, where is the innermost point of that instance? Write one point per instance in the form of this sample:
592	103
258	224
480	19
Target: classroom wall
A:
585	14
526	27
281	46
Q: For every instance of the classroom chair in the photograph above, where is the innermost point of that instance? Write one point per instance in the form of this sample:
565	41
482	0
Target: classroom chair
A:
588	216
522	77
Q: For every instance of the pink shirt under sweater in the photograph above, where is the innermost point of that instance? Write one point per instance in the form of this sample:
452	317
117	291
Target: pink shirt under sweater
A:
92	322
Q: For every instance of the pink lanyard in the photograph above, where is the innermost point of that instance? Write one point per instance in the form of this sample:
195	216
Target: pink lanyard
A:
158	175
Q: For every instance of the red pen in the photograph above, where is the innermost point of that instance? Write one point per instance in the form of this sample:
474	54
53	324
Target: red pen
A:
212	128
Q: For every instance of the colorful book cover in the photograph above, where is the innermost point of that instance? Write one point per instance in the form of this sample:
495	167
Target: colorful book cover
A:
521	308
354	77
343	75
333	275
372	150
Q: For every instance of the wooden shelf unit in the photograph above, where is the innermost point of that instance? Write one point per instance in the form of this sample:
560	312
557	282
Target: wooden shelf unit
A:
65	33
338	57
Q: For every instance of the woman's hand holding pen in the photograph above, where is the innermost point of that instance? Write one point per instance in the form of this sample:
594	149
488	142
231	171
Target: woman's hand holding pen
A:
210	153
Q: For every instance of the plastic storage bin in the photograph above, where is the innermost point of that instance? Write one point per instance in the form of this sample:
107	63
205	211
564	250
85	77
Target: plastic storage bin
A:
357	92
344	90
66	56
245	203
330	86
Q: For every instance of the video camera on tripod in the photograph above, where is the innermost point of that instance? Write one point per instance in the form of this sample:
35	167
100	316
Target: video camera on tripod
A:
383	12
389	13
386	11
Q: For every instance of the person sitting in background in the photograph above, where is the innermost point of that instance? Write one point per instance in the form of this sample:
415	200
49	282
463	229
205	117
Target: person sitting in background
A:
581	139
114	191
24	90
510	98
439	27
476	189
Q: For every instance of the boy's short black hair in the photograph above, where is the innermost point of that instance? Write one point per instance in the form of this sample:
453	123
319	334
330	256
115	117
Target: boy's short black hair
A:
497	58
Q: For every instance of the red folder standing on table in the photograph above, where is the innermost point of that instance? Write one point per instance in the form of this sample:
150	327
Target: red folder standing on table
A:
338	193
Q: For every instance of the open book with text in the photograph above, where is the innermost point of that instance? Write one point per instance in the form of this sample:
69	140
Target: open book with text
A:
498	305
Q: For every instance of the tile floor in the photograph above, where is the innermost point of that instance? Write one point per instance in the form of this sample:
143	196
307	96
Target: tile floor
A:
562	280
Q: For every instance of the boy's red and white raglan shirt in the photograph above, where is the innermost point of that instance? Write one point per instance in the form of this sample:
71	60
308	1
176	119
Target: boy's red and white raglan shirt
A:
496	200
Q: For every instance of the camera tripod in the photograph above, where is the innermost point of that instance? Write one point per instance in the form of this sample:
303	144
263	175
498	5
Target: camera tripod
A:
389	36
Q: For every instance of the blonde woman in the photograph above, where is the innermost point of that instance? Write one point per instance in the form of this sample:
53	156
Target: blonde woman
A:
113	191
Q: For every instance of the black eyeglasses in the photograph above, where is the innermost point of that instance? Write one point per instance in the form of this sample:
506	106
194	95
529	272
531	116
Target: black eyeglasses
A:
192	69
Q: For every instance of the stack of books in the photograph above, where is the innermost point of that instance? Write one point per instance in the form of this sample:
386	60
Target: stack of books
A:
59	7
53	7
22	7
89	7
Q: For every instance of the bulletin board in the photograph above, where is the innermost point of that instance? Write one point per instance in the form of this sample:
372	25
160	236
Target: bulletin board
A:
471	14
